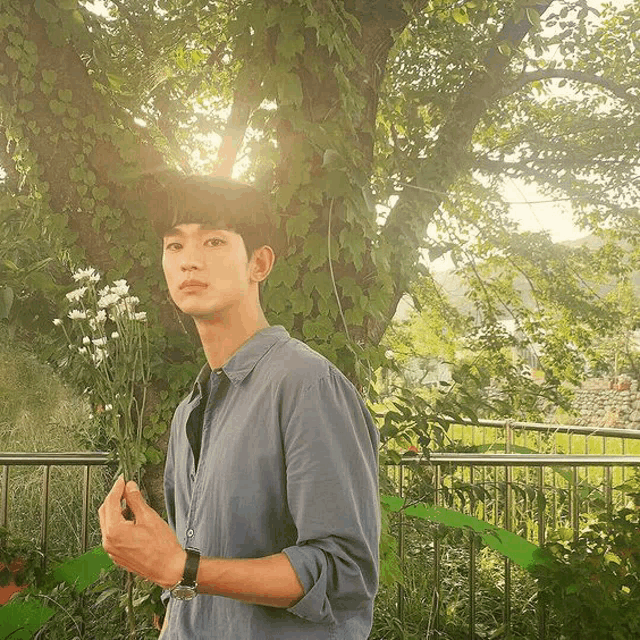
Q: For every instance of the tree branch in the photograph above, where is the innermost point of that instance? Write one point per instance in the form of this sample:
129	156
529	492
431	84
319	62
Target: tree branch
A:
246	99
569	74
450	157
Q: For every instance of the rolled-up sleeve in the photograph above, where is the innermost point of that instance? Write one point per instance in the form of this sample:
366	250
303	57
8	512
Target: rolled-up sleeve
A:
331	457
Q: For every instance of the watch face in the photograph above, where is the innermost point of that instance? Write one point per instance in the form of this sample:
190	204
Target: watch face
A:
183	592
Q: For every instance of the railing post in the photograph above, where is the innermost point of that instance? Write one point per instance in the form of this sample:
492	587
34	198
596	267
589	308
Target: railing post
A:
542	613
575	507
4	506
472	565
401	546
86	495
436	556
44	511
508	507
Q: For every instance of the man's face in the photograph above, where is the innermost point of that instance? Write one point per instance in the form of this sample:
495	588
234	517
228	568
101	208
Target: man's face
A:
207	270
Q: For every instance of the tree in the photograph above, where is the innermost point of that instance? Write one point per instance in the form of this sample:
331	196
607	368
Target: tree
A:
331	108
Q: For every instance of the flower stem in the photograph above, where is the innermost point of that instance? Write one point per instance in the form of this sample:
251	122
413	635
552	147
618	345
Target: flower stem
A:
130	613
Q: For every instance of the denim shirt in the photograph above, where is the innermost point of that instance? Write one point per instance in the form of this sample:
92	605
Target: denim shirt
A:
288	463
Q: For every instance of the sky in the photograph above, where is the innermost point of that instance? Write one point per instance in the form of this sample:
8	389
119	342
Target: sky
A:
535	212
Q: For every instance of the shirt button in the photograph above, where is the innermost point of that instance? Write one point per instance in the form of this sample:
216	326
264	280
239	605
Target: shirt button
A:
190	533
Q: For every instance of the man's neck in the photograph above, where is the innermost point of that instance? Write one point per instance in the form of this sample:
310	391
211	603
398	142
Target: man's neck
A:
221	338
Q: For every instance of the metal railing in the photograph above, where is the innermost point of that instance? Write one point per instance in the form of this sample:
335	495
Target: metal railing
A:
558	496
87	460
526	493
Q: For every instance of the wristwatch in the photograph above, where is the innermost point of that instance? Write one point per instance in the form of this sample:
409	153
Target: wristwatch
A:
186	589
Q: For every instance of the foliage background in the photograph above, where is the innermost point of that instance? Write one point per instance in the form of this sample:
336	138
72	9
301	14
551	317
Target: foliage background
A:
383	133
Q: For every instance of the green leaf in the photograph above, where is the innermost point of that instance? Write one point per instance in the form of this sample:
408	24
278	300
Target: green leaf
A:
299	224
6	302
67	5
504	49
46	11
25	105
84	570
21	619
331	159
100	193
57	107
533	17
460	15
323	285
521	551
65	95
290	89
315	248
289	44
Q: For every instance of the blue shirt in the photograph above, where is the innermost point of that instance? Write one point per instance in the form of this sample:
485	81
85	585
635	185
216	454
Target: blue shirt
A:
288	463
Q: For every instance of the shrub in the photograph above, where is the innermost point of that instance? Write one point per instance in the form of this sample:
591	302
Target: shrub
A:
592	584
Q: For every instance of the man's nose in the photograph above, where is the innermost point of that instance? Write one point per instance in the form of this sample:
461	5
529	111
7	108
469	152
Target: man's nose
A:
191	260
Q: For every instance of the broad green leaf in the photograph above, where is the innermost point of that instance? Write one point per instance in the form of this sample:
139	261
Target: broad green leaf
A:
20	619
521	551
290	89
46	11
84	570
290	44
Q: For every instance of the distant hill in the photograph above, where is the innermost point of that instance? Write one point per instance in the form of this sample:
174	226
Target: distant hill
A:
457	291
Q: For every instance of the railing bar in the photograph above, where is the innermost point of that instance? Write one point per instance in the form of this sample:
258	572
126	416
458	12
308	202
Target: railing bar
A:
44	511
37	459
556	428
4	510
523	459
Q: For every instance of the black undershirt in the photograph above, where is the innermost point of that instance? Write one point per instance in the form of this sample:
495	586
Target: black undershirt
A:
195	423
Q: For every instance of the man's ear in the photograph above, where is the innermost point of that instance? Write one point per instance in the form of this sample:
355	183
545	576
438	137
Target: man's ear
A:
262	262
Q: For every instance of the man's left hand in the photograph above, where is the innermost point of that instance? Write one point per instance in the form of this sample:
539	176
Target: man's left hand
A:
145	545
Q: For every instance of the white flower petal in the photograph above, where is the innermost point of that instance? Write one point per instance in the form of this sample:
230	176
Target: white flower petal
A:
76	294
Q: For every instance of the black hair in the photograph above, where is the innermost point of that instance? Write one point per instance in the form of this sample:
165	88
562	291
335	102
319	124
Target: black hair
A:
219	203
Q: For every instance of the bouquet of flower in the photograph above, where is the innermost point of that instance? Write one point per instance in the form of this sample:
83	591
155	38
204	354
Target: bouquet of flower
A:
109	336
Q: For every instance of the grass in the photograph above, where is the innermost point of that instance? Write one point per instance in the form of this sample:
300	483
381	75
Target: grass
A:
39	413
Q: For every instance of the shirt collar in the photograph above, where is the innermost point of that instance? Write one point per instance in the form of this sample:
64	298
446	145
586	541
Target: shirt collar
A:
243	361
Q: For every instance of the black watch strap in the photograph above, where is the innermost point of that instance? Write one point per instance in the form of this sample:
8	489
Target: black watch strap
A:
191	568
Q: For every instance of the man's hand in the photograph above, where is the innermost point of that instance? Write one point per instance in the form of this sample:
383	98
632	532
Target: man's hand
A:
145	545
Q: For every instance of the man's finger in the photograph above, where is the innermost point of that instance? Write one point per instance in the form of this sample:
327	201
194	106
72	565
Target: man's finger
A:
134	499
110	509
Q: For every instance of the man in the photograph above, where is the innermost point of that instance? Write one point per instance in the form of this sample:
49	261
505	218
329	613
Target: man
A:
271	482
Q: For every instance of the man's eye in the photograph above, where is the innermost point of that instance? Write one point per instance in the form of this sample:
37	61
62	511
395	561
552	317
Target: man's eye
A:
173	246
213	242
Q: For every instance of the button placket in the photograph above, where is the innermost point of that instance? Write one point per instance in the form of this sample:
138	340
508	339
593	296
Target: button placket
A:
196	479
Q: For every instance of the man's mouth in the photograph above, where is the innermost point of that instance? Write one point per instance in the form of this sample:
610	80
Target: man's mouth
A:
193	284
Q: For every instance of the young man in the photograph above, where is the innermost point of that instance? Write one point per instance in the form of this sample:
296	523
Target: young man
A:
271	478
